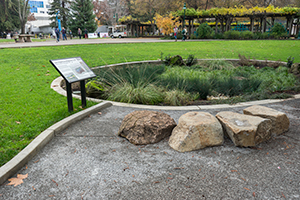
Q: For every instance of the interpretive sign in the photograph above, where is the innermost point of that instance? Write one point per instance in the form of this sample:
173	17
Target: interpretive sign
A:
73	70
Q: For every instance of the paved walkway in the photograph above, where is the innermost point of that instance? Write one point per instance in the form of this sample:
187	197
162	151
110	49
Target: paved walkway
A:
85	41
89	161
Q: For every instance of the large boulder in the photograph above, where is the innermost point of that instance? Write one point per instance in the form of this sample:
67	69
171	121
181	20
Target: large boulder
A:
245	130
196	130
146	127
280	122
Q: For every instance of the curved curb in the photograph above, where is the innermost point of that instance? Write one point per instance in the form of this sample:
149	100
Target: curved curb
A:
17	162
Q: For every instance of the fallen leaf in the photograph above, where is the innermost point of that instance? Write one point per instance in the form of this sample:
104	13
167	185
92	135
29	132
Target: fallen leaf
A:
47	74
37	161
67	173
253	194
38	75
199	170
18	180
233	170
114	150
132	175
115	181
18	122
170	189
99	113
170	173
26	167
33	188
246	188
243	179
54	182
156	182
283	195
169	178
51	195
267	153
165	152
179	168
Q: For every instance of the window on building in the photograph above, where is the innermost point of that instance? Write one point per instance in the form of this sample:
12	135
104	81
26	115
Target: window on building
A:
42	12
48	6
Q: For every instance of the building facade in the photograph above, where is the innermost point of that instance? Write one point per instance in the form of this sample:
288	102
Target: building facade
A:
41	24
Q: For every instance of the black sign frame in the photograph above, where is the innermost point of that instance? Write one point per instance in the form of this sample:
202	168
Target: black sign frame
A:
73	70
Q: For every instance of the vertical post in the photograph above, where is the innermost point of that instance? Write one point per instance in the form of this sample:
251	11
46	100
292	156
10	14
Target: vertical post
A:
83	93
184	8
69	97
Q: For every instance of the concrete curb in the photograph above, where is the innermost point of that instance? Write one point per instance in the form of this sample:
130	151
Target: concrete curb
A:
15	164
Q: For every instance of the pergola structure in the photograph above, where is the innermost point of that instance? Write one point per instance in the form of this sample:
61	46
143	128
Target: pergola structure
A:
136	28
223	17
223	22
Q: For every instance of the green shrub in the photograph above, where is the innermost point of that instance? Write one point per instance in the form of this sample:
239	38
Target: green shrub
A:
278	30
191	60
218	36
204	31
247	35
232	35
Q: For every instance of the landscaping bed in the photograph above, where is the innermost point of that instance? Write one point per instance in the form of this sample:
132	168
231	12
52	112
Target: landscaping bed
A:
193	82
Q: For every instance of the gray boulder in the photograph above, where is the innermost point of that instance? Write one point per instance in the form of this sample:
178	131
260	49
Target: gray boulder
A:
280	122
245	130
146	127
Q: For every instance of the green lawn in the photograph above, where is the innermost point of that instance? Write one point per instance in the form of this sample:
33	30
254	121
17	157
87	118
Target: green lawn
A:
28	105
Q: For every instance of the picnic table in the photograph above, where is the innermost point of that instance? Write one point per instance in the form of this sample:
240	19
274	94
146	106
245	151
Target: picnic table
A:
23	37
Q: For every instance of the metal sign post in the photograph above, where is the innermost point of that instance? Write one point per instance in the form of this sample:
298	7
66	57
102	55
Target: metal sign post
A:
73	70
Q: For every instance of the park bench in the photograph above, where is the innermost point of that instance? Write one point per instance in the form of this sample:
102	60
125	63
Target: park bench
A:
23	38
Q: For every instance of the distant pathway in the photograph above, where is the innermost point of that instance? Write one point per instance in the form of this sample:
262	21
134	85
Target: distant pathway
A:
86	41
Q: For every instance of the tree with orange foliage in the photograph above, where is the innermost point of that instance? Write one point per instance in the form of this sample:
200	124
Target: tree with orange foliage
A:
166	23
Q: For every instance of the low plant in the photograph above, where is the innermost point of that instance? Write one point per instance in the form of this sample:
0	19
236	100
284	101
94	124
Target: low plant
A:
290	62
179	97
246	35
191	60
232	35
217	64
142	93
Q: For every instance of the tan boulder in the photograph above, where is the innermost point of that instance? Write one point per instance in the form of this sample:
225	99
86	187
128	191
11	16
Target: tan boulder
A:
196	130
146	127
245	130
280	122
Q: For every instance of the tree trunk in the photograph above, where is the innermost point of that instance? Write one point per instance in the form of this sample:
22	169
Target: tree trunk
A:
23	13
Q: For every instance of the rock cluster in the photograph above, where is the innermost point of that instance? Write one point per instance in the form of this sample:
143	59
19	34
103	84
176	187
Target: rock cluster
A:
197	130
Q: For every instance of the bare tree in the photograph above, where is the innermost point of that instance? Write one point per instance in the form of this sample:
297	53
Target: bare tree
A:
23	11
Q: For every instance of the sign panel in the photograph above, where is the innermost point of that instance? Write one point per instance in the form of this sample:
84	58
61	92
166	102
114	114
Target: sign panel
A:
73	69
92	35
104	35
